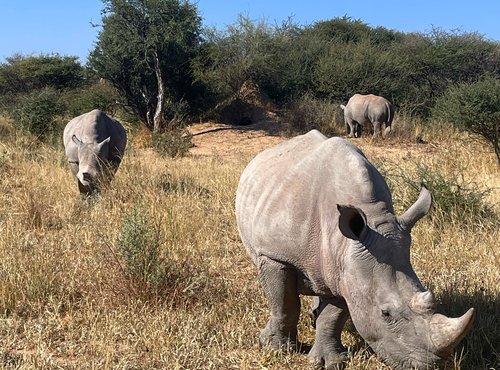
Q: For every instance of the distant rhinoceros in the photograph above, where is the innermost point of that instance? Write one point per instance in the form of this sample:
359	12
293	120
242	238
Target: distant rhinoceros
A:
362	110
317	219
94	144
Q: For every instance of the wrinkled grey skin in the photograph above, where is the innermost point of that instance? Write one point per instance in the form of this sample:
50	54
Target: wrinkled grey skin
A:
317	219
363	110
94	145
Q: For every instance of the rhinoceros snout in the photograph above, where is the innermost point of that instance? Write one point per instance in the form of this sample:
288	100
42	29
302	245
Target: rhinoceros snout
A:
86	177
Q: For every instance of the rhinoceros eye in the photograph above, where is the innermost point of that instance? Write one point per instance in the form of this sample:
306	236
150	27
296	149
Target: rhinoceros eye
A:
74	162
387	312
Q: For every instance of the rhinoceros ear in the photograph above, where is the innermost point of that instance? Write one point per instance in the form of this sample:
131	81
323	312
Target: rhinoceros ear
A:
76	140
352	222
418	210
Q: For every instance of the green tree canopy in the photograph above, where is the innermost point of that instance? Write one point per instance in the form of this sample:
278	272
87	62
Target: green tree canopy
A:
23	74
145	49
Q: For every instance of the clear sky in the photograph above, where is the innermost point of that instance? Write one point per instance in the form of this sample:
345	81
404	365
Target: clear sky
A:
64	26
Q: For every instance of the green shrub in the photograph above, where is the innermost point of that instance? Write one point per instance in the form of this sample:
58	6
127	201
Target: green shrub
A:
474	107
23	74
152	269
307	113
100	95
37	112
173	143
140	245
453	197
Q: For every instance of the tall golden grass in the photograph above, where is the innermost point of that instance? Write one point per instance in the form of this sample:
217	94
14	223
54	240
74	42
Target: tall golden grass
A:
68	300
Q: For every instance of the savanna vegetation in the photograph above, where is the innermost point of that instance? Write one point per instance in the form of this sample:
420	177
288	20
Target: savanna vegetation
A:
152	273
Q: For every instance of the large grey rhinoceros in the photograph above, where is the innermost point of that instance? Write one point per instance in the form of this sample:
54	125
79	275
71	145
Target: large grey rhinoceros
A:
317	219
362	110
94	145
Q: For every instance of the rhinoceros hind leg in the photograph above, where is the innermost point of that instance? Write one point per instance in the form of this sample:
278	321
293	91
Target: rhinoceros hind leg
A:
279	282
387	130
358	130
329	317
377	127
351	127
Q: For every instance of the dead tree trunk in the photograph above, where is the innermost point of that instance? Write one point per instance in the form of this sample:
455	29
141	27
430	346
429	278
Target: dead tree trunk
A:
160	99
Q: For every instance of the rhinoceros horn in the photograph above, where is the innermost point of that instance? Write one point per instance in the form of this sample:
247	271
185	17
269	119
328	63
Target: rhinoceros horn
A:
418	210
446	332
423	303
104	142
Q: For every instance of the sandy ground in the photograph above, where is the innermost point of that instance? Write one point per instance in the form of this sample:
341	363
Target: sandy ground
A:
211	138
225	140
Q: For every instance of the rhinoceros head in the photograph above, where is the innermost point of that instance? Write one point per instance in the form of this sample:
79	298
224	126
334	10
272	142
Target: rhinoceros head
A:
92	162
388	304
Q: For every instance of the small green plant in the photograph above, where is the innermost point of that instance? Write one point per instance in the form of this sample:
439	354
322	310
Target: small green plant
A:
173	143
140	245
454	194
151	268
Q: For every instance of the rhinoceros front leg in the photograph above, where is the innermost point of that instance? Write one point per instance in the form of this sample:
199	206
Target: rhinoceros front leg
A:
279	282
330	316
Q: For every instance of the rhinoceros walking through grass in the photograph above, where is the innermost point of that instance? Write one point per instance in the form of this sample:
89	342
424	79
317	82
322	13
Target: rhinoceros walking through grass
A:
94	145
317	219
363	110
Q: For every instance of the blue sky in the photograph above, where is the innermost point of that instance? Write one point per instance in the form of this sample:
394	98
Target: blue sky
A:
64	26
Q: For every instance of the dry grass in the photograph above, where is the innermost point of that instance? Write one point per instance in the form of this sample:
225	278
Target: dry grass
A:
68	301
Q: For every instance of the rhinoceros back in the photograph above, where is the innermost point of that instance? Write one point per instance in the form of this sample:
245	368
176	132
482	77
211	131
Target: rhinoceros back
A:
287	196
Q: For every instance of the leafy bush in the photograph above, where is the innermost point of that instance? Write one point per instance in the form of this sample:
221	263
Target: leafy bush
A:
307	113
454	196
336	58
243	52
100	95
173	140
474	107
37	112
21	74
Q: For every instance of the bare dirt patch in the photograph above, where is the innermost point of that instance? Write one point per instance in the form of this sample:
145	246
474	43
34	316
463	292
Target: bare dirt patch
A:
210	138
226	140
